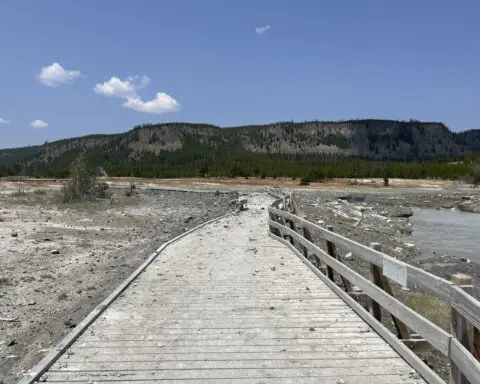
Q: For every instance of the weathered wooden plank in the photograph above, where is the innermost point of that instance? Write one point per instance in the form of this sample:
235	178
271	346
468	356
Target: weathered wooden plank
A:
465	362
466	305
174	349
241	324
429	331
156	364
364	334
230	373
377	379
215	356
113	343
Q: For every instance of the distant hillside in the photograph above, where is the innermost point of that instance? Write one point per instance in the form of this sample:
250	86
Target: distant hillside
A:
173	144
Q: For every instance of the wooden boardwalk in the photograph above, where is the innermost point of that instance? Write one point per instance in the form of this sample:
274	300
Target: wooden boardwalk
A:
228	304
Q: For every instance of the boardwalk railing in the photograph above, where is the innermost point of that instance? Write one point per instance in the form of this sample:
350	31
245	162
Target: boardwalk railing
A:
461	346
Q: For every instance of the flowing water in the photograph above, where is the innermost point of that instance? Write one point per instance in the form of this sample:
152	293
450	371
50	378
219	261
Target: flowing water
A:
450	233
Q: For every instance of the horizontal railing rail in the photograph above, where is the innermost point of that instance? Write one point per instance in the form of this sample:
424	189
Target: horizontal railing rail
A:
461	346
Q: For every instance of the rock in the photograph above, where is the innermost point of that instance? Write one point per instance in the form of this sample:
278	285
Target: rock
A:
14	234
187	219
70	323
11	343
470	206
398	250
348	256
311	329
403	212
32	302
55	252
409	245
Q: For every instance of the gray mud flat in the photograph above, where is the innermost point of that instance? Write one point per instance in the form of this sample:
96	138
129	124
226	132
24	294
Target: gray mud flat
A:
58	262
449	233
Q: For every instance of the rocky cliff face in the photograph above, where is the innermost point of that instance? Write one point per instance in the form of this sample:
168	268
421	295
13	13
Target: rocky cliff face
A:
375	139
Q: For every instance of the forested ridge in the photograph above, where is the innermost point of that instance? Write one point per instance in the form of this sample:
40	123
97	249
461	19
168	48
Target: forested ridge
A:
320	149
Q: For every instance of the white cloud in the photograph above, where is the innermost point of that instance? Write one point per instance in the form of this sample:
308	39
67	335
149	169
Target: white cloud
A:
3	121
262	30
128	88
124	89
161	104
54	75
39	124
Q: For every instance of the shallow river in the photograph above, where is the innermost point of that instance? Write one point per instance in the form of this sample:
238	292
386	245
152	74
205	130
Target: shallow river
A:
449	233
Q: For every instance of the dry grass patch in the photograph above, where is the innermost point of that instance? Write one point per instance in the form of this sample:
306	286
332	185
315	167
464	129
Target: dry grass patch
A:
432	308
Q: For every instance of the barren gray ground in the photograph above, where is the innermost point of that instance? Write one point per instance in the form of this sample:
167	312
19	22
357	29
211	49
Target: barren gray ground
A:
58	262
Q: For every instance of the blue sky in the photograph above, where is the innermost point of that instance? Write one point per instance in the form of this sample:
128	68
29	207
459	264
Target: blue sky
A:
120	63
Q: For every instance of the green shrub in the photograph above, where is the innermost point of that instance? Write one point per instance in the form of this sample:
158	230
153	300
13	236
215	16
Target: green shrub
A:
305	180
83	184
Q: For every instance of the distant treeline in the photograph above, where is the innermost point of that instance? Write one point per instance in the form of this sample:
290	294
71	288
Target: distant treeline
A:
247	164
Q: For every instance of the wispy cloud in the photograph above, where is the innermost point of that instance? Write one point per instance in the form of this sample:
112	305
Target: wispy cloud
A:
39	124
3	121
262	30
55	75
128	89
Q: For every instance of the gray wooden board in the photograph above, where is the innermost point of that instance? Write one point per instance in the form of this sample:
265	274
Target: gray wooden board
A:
377	379
227	304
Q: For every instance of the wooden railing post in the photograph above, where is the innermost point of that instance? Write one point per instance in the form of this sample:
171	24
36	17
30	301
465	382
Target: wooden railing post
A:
461	329
333	252
381	281
376	278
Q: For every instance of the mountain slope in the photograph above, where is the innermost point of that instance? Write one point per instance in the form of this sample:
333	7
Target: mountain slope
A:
176	143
